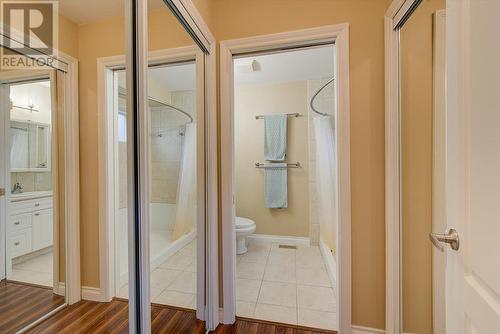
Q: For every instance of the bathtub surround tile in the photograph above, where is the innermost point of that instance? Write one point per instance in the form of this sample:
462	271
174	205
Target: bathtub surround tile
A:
247	289
276	313
250	270
276	293
245	309
316	298
317	319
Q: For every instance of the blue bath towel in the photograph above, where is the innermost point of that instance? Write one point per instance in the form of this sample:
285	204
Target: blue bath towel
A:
275	137
276	186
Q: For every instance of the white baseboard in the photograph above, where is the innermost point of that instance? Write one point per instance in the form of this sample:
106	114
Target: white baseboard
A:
59	289
93	294
366	330
330	262
281	239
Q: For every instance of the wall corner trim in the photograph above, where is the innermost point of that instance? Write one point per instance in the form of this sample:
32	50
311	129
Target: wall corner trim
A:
93	294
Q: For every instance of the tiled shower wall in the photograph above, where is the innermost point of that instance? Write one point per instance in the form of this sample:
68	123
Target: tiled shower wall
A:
166	148
324	102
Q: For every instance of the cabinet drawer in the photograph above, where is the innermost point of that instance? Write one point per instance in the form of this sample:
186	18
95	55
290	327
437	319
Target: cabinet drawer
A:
20	242
19	222
31	205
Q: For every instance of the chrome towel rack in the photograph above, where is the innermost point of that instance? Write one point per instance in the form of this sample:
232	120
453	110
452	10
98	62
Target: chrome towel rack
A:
295	114
275	165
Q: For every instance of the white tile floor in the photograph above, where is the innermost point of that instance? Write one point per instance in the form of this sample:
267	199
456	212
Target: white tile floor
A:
285	285
37	270
174	281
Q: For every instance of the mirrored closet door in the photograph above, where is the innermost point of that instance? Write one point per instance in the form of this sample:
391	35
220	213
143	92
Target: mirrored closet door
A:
33	203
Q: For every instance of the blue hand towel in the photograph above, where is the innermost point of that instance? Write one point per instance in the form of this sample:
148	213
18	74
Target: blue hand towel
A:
276	186
275	137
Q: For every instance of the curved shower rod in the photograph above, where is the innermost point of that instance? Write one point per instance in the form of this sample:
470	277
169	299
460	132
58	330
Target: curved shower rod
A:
316	94
123	92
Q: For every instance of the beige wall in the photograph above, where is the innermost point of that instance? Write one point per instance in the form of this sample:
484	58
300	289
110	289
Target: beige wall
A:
242	18
417	150
276	98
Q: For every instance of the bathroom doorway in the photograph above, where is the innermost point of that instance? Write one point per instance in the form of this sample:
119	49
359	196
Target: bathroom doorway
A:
176	254
282	120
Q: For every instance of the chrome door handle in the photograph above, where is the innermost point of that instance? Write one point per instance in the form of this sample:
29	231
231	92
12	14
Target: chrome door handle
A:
451	238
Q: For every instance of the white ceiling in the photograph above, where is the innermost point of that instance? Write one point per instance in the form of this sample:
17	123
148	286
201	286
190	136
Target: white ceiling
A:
296	65
86	11
172	78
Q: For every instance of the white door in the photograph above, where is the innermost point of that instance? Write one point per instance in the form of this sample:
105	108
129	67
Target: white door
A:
473	166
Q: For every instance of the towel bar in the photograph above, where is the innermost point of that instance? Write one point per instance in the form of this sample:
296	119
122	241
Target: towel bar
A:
292	165
296	114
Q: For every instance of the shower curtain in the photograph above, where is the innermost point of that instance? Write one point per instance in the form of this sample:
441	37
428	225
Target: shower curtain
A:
326	176
185	215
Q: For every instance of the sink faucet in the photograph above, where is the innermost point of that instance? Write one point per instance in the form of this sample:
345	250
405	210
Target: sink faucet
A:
17	189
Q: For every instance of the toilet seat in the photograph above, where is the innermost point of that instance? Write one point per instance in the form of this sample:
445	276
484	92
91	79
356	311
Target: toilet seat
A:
242	223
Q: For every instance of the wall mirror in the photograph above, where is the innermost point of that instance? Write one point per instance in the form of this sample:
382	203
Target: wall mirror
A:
37	211
29	149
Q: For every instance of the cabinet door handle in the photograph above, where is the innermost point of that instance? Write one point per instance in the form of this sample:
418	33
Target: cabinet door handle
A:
37	204
16	243
37	214
17	223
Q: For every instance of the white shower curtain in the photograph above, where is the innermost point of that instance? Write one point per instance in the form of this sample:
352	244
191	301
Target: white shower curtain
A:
326	176
186	189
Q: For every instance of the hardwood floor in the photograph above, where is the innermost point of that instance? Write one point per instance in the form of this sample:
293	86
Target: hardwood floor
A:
21	304
98	318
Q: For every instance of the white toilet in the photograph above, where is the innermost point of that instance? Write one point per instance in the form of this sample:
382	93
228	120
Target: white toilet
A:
244	227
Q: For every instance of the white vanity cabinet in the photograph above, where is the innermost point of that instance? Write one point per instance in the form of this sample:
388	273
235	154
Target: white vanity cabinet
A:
31	225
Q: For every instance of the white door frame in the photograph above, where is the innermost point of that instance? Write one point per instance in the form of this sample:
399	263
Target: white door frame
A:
72	285
136	59
394	17
108	167
338	34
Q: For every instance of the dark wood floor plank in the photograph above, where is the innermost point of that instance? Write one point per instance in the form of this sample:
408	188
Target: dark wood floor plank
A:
103	318
21	304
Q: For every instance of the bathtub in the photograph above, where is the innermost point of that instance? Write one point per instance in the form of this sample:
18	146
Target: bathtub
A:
162	245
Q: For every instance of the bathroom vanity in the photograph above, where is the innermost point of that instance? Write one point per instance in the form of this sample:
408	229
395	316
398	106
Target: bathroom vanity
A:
30	222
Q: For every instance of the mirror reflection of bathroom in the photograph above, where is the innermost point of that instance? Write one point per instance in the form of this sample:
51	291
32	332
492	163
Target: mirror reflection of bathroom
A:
285	175
31	234
33	266
172	104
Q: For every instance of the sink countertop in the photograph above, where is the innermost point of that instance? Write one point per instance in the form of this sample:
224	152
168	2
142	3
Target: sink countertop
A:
30	195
